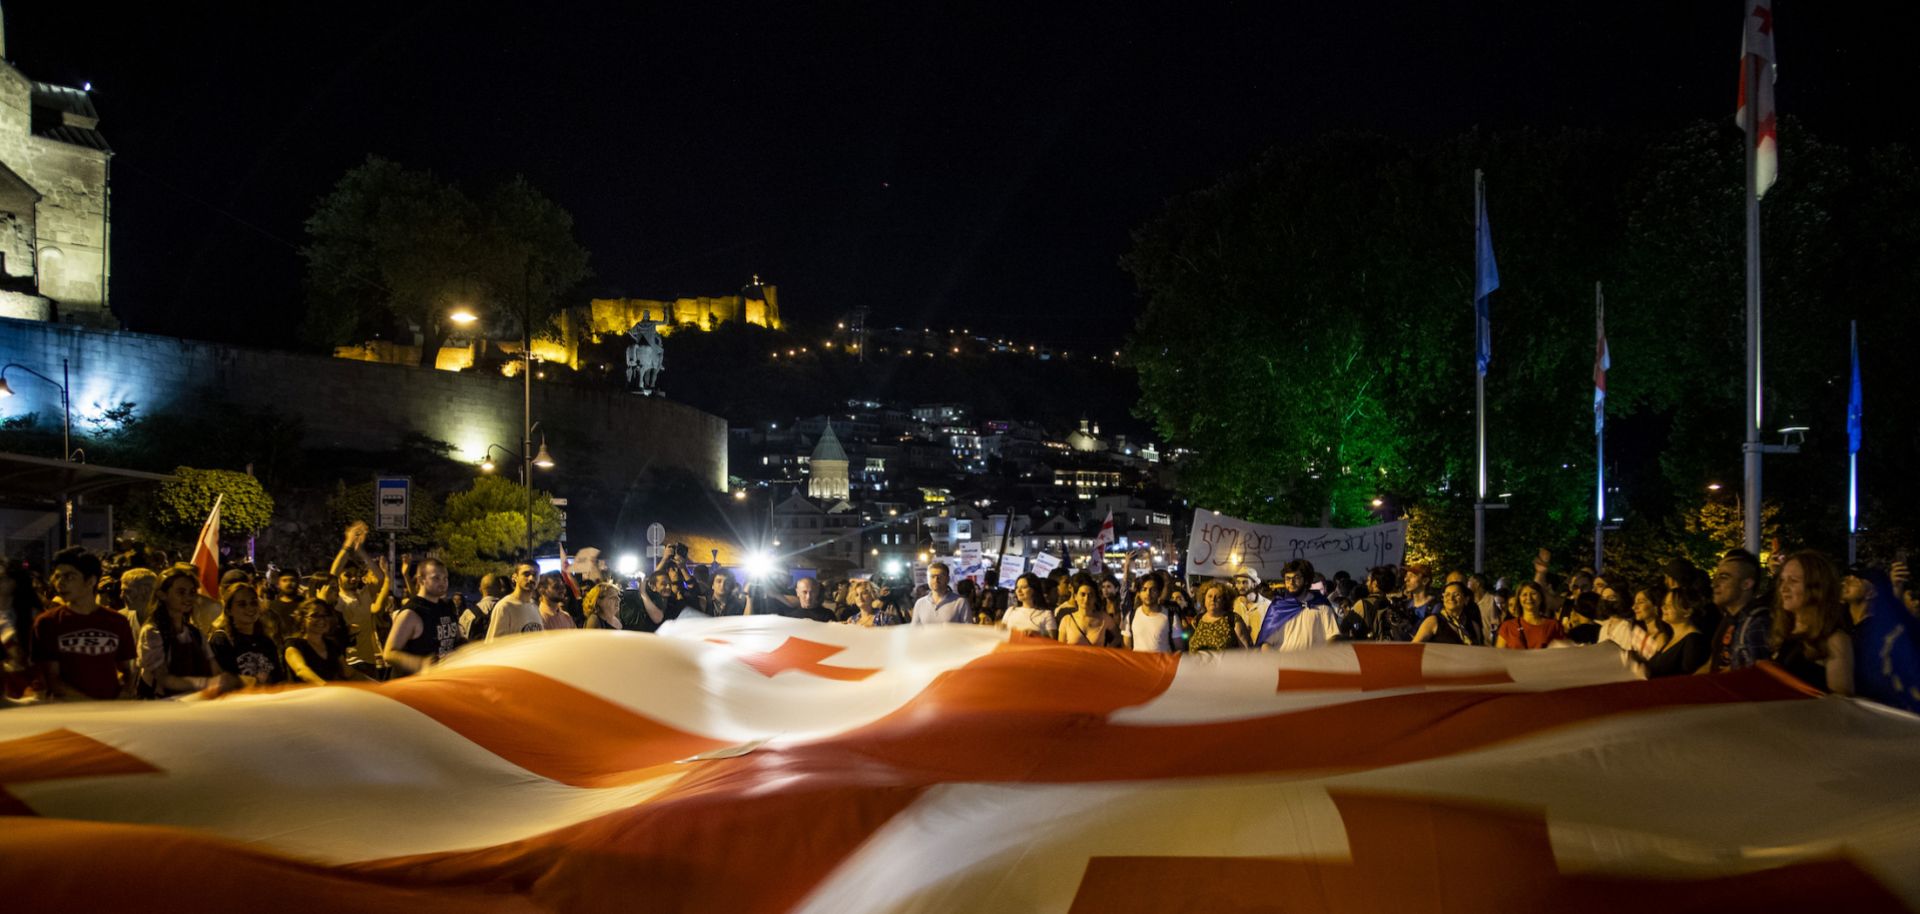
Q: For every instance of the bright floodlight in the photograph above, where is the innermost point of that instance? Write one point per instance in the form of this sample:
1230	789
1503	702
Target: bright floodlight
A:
628	564
462	316
894	567
759	565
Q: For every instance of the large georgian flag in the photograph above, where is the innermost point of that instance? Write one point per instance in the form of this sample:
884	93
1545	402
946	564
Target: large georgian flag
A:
1755	113
766	764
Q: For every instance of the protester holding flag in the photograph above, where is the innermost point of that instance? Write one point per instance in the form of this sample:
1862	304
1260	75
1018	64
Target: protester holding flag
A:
1811	637
552	591
1453	624
313	655
1299	617
1090	620
242	647
1686	645
1218	628
603	606
1027	615
1151	625
84	651
1534	628
174	656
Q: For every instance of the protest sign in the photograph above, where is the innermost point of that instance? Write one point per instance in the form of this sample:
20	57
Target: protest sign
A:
1044	564
1011	567
1221	545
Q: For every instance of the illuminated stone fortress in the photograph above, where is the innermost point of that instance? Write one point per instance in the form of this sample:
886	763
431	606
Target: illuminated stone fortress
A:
757	304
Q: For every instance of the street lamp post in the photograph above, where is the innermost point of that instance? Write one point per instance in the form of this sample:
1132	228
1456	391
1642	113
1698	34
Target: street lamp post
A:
540	459
66	426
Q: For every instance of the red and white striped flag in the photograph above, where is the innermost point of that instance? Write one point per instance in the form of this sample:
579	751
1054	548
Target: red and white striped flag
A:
766	764
1756	56
206	551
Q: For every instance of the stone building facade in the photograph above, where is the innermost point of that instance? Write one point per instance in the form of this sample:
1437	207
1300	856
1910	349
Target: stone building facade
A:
55	220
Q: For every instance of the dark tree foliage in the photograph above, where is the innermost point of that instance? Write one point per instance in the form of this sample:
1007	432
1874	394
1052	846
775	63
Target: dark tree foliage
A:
1307	330
392	248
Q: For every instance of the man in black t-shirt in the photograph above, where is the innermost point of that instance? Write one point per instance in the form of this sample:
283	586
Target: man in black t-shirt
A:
427	628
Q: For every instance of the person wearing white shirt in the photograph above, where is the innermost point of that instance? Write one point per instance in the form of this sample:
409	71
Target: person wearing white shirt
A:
1301	618
1026	615
519	610
1250	606
1150	627
941	605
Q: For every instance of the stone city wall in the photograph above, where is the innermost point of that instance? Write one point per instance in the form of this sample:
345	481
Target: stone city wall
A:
602	438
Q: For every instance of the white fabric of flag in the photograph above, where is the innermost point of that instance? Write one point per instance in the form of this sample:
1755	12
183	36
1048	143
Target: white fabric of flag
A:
767	764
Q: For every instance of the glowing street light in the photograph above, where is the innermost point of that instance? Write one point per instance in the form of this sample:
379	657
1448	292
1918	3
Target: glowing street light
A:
462	317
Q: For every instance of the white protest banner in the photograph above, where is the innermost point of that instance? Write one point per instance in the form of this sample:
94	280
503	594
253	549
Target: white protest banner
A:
1011	568
1044	564
1221	545
969	557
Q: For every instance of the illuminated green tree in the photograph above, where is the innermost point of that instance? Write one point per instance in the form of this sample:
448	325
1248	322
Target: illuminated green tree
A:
177	509
485	527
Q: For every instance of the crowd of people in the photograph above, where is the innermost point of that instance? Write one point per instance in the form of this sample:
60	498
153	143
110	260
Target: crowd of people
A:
138	626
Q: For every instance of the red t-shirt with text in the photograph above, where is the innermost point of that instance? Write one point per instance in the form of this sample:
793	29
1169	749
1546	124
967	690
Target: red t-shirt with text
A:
91	649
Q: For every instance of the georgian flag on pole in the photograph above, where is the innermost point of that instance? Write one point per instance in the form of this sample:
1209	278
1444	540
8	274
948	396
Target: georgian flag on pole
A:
1756	114
1105	538
206	551
1602	361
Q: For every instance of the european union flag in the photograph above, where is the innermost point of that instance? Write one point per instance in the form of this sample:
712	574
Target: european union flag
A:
1486	278
1854	409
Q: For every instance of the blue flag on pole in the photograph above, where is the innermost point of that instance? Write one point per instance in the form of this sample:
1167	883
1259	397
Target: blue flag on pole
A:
1486	278
1854	410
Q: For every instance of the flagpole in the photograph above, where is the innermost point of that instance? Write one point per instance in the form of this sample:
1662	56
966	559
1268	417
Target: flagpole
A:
1599	440
1751	449
1479	395
1853	451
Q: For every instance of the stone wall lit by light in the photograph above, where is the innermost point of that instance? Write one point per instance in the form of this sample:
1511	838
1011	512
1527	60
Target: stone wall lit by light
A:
609	436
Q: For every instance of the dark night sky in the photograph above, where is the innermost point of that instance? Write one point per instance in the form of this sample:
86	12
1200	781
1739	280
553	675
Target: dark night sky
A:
937	163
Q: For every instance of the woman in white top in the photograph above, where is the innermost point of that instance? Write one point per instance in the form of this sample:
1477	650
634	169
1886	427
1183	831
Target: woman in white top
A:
1150	627
1027	615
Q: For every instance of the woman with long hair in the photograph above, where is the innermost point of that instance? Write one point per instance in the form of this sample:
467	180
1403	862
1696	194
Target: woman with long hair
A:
1534	627
1453	624
174	656
1218	628
242	646
1088	619
1811	637
1028	615
602	606
314	654
864	606
1683	644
